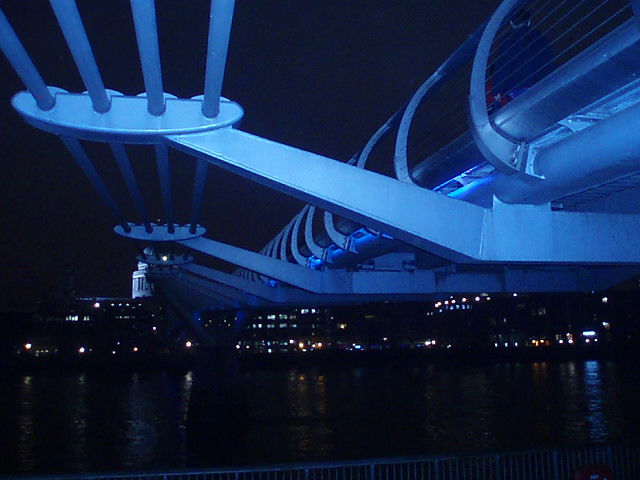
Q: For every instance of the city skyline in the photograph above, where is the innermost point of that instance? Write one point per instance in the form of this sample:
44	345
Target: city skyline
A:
73	331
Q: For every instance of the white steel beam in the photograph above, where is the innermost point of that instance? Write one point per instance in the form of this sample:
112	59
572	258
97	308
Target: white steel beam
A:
281	270
450	228
260	291
381	284
417	216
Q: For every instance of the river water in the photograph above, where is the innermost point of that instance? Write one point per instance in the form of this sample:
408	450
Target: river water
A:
94	422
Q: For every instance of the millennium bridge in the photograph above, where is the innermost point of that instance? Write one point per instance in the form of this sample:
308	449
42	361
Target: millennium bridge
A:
513	167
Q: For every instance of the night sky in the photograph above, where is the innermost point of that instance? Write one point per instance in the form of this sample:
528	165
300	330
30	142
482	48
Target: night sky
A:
319	75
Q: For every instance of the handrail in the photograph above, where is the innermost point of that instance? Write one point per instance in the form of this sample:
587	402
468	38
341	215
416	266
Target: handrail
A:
453	64
545	464
497	148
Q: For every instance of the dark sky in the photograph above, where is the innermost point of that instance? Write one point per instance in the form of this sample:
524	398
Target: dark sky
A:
319	75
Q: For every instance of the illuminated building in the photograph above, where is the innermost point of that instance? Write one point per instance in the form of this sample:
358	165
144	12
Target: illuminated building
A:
140	287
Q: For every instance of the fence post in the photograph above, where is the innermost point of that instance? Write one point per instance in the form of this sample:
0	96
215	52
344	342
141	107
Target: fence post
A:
437	469
556	467
373	472
610	460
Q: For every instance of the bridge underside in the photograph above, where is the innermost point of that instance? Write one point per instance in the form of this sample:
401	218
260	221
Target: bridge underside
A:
538	194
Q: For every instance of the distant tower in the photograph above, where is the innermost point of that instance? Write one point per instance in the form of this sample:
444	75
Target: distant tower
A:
139	285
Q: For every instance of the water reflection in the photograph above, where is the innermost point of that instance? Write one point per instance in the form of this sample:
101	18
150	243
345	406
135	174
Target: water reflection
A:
596	418
589	412
474	423
26	434
308	435
139	421
141	427
543	414
78	423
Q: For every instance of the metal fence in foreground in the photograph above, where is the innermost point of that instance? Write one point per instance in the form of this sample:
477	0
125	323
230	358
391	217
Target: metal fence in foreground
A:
623	461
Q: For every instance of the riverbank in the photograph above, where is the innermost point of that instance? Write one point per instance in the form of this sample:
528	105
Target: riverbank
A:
171	362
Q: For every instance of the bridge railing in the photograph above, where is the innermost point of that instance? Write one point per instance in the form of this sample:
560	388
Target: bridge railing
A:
566	464
530	41
540	35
